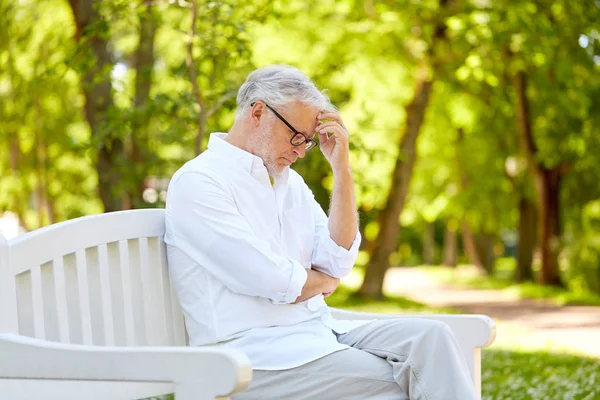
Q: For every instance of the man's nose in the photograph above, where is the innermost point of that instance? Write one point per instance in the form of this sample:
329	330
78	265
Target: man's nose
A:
300	150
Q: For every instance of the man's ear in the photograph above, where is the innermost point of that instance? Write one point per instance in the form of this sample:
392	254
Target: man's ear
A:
257	112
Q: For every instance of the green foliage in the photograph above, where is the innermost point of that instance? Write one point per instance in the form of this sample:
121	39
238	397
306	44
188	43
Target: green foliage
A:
46	173
582	254
366	54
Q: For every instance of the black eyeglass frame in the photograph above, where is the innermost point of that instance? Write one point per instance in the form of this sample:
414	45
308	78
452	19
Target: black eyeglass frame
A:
310	142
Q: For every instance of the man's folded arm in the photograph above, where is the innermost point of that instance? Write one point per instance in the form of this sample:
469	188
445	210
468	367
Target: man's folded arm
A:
208	227
328	256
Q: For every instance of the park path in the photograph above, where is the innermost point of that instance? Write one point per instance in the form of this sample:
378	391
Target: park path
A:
575	328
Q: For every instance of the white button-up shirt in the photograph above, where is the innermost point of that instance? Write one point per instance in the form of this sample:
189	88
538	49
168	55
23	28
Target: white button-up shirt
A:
238	248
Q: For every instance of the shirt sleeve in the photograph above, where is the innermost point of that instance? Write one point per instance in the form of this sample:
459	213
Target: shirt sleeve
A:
208	227
328	256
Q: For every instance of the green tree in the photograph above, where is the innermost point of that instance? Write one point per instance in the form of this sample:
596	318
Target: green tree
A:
45	173
95	63
552	76
431	37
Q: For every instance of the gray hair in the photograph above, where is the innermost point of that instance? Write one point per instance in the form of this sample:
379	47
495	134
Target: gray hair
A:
278	86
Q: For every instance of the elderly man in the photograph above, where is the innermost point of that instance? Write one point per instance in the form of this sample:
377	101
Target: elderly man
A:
252	256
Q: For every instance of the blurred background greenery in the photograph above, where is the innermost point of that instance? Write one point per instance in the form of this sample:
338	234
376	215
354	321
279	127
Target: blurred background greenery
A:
475	124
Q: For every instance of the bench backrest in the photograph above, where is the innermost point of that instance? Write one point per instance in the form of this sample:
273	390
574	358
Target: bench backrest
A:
99	280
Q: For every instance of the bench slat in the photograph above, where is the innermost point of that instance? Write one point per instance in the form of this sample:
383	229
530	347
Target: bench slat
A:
84	297
60	294
38	305
136	288
116	287
127	295
106	296
8	292
73	298
158	316
148	294
166	290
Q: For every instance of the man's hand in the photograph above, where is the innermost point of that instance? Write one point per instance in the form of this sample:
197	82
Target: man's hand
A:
330	284
333	139
317	283
343	218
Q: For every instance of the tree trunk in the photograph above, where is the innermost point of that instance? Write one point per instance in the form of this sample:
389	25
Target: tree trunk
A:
138	151
385	243
469	243
192	75
470	246
201	132
15	153
39	156
429	244
19	201
450	247
389	224
96	83
48	198
547	188
485	247
388	219
526	244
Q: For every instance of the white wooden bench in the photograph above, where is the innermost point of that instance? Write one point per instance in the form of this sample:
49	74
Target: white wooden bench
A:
87	311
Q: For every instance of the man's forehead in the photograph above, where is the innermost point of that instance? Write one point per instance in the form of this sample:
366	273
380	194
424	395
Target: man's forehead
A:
306	115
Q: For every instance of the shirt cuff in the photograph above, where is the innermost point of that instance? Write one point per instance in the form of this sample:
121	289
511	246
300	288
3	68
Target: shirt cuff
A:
334	259
338	251
297	281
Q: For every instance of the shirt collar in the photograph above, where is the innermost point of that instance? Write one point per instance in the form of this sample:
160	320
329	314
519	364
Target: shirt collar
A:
248	161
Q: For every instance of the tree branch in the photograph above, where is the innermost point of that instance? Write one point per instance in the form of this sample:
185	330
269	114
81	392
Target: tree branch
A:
190	58
526	136
228	95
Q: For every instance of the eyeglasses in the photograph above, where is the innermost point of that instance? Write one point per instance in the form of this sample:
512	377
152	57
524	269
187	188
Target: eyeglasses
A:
299	138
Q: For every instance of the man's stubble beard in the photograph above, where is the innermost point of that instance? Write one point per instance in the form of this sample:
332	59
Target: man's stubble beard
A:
267	154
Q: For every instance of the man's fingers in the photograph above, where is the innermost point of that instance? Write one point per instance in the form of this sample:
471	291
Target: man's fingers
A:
323	136
331	127
328	124
329	115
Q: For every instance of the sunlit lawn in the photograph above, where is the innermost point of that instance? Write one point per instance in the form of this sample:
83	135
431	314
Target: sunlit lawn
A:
517	366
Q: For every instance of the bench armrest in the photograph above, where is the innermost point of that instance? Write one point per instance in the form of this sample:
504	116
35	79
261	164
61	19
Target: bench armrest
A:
472	332
478	330
196	373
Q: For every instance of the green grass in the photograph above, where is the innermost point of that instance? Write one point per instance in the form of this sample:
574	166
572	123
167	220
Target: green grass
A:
516	375
344	298
466	277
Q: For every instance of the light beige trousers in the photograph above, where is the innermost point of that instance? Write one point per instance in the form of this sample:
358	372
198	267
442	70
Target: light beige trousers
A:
398	359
